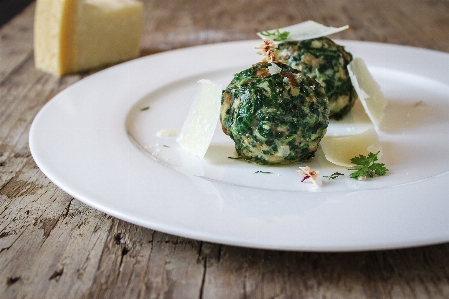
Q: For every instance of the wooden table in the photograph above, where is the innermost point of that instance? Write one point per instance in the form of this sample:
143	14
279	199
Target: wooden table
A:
53	246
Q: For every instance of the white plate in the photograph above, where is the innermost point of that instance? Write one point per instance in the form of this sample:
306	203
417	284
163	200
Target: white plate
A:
94	142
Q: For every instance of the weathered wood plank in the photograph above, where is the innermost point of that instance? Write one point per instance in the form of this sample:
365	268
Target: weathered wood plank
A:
50	233
15	39
123	263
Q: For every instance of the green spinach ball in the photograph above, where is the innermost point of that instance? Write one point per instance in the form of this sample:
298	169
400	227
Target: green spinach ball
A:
326	62
274	114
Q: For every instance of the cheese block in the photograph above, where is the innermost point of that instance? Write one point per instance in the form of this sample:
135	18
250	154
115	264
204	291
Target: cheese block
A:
199	127
76	35
342	148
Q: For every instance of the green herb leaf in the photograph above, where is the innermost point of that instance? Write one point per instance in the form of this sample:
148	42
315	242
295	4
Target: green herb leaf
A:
276	35
266	172
333	176
145	108
366	166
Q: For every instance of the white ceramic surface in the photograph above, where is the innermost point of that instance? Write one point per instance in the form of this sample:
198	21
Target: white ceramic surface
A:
94	141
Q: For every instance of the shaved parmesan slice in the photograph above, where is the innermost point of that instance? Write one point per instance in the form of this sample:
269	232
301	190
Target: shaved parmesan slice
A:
303	31
368	91
342	148
199	126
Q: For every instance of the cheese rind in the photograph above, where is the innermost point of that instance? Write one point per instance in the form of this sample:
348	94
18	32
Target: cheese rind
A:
76	35
199	127
341	149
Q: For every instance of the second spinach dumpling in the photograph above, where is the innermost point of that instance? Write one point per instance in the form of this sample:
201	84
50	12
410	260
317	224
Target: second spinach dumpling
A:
326	62
274	114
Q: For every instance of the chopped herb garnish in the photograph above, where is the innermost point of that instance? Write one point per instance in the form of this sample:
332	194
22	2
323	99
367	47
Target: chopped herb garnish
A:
145	108
165	145
333	176
235	158
276	35
367	167
266	172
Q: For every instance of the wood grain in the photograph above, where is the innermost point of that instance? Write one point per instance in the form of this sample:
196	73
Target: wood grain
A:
53	246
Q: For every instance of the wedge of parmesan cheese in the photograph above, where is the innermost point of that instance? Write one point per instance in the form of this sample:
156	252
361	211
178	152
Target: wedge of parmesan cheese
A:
368	90
199	127
342	148
76	35
303	31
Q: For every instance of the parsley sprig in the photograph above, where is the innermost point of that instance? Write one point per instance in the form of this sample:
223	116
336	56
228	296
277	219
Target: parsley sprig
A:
366	166
276	35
